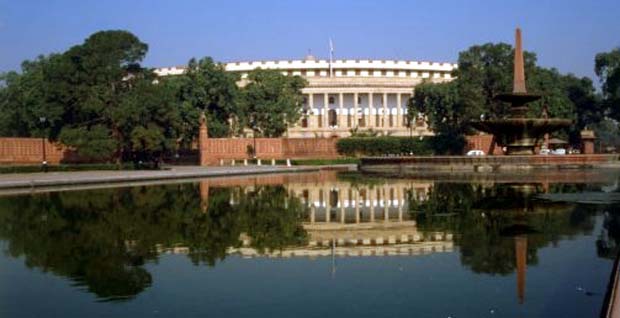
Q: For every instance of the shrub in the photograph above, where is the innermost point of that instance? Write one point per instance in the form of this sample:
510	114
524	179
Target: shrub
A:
383	146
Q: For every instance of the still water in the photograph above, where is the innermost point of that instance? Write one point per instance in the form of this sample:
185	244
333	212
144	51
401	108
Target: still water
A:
314	245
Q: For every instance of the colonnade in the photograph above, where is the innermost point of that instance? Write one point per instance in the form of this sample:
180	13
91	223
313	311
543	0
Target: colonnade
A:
378	110
348	205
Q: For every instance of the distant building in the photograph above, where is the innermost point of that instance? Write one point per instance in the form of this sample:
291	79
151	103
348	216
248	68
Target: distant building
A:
349	94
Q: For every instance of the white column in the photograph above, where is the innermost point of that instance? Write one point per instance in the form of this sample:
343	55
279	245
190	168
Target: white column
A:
354	120
370	120
341	201
325	110
341	118
386	206
328	208
372	204
357	207
400	193
412	115
399	111
312	116
384	116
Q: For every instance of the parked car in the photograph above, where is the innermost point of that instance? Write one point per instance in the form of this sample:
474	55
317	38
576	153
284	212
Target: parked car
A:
559	151
545	151
475	153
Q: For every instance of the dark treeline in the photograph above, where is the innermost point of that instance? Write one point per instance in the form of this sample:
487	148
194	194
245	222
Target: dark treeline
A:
101	239
486	220
486	70
97	98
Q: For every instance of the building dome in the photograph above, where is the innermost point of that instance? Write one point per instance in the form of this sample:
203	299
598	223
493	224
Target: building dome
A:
310	57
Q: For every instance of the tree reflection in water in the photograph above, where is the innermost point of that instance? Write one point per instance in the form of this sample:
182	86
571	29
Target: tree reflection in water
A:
101	239
488	218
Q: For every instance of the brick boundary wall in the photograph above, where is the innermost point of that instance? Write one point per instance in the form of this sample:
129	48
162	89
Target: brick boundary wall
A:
216	149
30	151
482	142
17	151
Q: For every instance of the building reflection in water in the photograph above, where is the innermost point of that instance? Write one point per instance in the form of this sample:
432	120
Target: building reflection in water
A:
102	239
348	219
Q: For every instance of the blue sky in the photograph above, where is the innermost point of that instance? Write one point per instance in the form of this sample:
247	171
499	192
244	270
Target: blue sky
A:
565	34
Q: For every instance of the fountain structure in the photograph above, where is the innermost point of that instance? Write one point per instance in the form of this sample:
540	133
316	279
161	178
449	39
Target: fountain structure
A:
518	133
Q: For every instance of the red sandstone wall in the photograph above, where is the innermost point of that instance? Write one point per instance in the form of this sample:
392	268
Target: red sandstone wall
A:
311	148
269	148
482	142
30	151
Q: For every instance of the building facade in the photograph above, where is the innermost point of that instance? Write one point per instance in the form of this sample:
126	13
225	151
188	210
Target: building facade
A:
347	95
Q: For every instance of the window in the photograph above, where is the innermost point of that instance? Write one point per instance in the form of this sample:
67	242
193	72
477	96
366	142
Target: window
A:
383	73
357	72
331	100
359	100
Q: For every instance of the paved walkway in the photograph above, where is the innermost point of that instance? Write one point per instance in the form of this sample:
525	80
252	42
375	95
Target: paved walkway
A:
40	179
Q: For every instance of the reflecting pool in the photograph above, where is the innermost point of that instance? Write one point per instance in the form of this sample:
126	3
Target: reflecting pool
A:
315	245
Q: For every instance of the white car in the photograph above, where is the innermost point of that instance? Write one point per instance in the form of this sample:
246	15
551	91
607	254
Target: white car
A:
545	151
559	151
475	153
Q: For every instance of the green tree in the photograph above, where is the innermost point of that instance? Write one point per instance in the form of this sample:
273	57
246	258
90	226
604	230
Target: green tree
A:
102	72
207	87
607	68
271	102
24	100
95	97
445	112
484	72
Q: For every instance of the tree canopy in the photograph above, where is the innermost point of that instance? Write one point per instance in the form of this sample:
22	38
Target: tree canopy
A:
271	102
607	68
485	71
98	99
95	97
207	87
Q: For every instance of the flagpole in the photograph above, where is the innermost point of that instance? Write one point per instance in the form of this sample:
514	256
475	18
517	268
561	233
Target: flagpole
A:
331	57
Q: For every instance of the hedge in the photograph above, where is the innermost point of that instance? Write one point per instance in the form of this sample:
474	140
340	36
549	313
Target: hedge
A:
384	146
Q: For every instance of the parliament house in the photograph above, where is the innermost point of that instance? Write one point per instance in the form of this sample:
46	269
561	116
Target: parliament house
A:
344	95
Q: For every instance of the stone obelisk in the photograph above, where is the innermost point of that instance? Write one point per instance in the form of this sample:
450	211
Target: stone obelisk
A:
519	69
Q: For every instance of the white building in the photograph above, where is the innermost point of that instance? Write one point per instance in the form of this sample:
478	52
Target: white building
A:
349	94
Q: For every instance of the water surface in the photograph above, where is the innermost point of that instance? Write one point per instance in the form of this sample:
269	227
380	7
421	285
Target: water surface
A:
313	245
